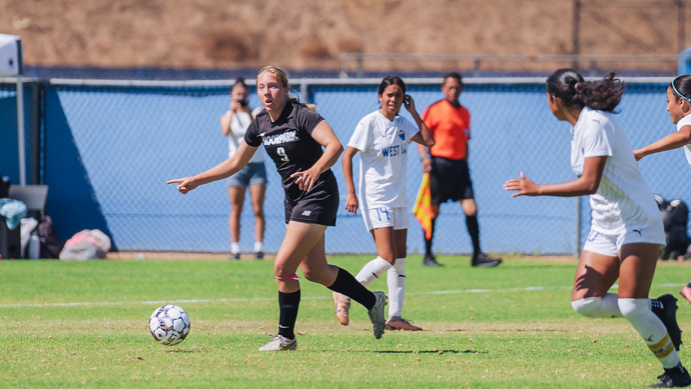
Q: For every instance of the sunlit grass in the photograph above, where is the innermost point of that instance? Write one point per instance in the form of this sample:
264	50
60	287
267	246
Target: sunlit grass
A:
84	324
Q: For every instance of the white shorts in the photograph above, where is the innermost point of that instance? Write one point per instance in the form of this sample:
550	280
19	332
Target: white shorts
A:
610	245
386	217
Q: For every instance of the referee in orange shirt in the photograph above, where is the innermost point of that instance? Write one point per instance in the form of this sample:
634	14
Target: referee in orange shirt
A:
447	164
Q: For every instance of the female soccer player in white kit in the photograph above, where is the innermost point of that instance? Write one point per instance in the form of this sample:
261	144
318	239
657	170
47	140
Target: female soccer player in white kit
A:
679	108
626	230
382	138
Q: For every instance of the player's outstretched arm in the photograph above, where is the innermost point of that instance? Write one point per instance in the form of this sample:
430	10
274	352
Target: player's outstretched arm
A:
224	169
672	141
586	184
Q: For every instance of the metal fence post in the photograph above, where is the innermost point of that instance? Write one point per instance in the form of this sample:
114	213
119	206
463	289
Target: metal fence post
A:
304	91
20	131
360	66
35	141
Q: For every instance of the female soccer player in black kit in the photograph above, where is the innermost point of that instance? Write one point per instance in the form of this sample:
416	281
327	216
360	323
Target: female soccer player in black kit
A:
293	136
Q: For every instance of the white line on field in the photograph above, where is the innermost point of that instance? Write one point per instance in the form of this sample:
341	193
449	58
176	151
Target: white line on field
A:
194	301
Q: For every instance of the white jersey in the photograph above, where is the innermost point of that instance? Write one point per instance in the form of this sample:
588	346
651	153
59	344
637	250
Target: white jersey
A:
238	127
623	200
383	160
685	121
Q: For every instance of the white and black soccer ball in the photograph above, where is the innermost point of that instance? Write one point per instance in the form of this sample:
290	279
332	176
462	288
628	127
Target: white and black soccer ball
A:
169	324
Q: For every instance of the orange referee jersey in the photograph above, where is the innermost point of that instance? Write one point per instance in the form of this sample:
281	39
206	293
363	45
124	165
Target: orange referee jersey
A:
450	127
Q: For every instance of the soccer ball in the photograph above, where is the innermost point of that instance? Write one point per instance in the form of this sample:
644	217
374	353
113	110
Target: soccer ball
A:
169	324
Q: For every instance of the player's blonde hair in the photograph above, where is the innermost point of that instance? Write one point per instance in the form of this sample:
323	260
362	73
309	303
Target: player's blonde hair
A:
282	76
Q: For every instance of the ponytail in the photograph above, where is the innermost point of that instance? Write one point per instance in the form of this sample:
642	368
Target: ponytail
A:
295	100
569	86
603	95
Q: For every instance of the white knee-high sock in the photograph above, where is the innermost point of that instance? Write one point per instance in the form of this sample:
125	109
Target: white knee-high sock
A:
395	278
372	270
651	329
605	306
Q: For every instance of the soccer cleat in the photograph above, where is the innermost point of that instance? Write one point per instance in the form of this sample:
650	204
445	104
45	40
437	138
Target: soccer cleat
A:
668	380
280	343
668	316
259	255
235	256
376	314
686	292
341	307
401	324
429	260
483	260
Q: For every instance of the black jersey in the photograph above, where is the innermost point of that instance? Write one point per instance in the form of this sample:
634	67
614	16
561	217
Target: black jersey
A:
288	141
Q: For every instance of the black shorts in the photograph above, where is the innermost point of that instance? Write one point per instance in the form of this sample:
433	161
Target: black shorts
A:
318	206
449	180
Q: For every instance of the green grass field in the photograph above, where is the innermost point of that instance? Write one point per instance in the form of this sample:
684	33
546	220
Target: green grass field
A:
85	324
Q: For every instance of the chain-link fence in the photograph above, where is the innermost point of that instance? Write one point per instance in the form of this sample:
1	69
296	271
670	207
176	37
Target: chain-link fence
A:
9	146
109	149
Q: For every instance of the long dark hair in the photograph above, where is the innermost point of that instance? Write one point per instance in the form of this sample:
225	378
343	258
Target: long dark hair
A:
570	87
682	87
391	80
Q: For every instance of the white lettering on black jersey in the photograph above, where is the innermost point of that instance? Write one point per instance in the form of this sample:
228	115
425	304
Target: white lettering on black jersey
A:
288	141
270	140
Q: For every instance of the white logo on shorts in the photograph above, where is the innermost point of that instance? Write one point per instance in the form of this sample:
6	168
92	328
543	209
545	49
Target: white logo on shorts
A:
306	213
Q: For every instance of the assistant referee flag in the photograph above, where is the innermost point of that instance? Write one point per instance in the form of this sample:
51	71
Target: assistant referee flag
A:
423	206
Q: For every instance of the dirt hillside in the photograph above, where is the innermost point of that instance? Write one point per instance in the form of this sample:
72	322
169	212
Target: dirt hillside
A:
311	34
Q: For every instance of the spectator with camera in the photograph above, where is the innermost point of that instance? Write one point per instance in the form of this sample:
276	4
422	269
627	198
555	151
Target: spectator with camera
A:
234	124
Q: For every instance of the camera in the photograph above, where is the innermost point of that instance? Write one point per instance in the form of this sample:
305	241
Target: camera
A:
243	102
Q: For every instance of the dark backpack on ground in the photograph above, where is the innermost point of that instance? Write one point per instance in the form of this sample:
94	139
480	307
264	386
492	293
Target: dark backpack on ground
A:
50	243
675	217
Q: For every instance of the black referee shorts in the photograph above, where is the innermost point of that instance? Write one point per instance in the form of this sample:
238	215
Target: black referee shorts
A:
449	180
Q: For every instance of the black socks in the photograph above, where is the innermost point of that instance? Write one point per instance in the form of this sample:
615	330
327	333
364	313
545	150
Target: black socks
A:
678	369
474	231
347	284
428	242
288	304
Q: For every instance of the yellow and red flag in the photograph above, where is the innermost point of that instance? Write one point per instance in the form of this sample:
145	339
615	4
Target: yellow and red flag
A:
423	206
